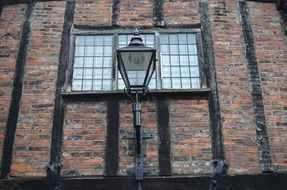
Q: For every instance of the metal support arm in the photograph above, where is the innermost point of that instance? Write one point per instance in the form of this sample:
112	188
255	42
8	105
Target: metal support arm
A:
138	135
139	170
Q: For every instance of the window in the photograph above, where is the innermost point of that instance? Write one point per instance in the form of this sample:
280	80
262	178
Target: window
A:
92	68
179	61
179	64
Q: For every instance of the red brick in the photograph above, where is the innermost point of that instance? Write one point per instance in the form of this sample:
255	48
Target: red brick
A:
36	110
83	156
190	146
136	13
93	13
271	45
11	22
234	96
181	12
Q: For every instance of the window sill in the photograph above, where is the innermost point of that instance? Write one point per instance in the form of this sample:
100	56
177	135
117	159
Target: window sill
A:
201	93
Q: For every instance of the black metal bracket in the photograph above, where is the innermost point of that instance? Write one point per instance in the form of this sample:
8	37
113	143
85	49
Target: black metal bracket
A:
132	136
138	136
138	170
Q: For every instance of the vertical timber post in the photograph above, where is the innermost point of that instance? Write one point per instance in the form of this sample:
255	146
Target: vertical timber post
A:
214	107
13	114
115	13
219	162
112	139
54	167
164	137
158	13
256	91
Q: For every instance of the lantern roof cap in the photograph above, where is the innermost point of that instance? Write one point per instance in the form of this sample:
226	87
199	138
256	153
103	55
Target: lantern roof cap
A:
136	40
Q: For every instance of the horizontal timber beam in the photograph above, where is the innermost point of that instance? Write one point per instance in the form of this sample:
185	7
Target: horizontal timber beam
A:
237	182
11	2
264	1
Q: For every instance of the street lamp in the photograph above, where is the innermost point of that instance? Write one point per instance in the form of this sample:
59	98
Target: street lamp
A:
136	63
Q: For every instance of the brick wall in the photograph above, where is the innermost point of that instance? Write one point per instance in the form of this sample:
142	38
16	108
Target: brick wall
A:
190	137
11	22
86	122
181	12
84	139
239	130
93	13
33	135
271	51
136	13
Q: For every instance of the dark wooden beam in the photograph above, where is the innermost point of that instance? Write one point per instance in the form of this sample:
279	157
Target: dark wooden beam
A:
200	94
164	137
16	94
255	91
282	5
116	12
11	2
264	1
283	14
1	9
54	166
214	107
235	182
112	139
158	13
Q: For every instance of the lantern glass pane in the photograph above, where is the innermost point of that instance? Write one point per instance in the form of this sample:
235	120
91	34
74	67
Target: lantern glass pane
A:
136	78
149	41
136	64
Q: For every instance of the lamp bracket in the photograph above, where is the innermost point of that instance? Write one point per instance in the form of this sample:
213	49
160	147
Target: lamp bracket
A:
140	171
131	135
137	90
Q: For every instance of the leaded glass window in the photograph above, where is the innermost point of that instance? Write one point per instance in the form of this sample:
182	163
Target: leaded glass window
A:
179	61
92	63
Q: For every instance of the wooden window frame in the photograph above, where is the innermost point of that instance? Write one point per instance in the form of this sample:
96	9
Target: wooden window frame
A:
67	88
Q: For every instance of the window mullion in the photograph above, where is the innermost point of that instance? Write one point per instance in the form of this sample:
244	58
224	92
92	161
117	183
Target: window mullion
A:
103	58
179	63
93	67
114	63
158	62
83	68
201	65
188	58
169	55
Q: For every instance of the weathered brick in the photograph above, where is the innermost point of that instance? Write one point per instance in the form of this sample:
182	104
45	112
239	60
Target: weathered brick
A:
271	51
180	12
93	13
136	13
84	124
36	110
11	22
234	96
190	137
